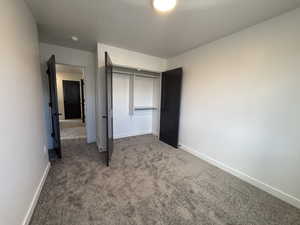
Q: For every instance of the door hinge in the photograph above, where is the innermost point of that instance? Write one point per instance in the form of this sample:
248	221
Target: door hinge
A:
50	104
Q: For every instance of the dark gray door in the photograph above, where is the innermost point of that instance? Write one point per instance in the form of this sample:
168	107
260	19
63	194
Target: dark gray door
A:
72	104
109	108
51	71
170	106
82	100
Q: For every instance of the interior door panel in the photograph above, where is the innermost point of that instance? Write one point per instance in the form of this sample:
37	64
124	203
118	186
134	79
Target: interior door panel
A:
170	106
53	104
109	107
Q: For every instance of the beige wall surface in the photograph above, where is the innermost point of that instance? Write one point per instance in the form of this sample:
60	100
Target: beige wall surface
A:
24	156
240	104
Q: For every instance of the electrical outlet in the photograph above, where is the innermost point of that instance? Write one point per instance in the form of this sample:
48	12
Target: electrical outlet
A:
45	149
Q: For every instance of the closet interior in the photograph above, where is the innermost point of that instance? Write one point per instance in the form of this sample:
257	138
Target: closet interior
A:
136	102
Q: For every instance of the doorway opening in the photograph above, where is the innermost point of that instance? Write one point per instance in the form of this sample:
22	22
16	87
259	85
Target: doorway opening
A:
71	103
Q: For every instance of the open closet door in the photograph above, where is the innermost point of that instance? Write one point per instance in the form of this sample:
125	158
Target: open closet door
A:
51	71
170	106
109	107
82	100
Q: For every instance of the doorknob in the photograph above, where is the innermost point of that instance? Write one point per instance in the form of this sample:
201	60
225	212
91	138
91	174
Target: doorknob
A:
57	114
104	116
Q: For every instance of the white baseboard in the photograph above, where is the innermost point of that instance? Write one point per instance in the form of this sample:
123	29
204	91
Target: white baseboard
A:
124	135
36	196
257	183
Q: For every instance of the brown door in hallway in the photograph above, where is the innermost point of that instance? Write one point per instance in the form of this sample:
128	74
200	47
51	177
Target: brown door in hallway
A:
109	108
53	104
72	104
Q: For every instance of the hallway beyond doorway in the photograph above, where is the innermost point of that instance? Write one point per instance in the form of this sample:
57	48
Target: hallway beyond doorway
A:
72	129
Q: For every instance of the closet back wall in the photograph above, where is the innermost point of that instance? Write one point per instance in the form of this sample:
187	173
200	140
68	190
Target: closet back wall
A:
140	122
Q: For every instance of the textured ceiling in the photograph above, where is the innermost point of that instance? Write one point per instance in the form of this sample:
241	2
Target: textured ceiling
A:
134	25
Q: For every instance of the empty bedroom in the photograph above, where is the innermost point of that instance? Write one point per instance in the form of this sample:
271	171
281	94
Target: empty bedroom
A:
150	112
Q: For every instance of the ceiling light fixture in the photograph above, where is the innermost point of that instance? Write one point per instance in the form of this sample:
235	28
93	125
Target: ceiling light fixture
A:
74	38
164	5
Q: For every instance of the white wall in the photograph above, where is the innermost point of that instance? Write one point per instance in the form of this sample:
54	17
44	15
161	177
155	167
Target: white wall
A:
73	57
240	104
60	77
23	160
131	59
143	92
125	58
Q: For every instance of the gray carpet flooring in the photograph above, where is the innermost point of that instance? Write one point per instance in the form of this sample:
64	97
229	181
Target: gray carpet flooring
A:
72	129
150	183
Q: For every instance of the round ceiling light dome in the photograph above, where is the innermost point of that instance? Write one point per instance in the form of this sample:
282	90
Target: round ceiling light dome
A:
164	5
74	38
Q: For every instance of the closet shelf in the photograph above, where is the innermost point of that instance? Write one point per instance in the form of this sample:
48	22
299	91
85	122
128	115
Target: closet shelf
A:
144	108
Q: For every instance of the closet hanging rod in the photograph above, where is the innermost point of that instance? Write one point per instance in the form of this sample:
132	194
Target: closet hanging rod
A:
134	74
